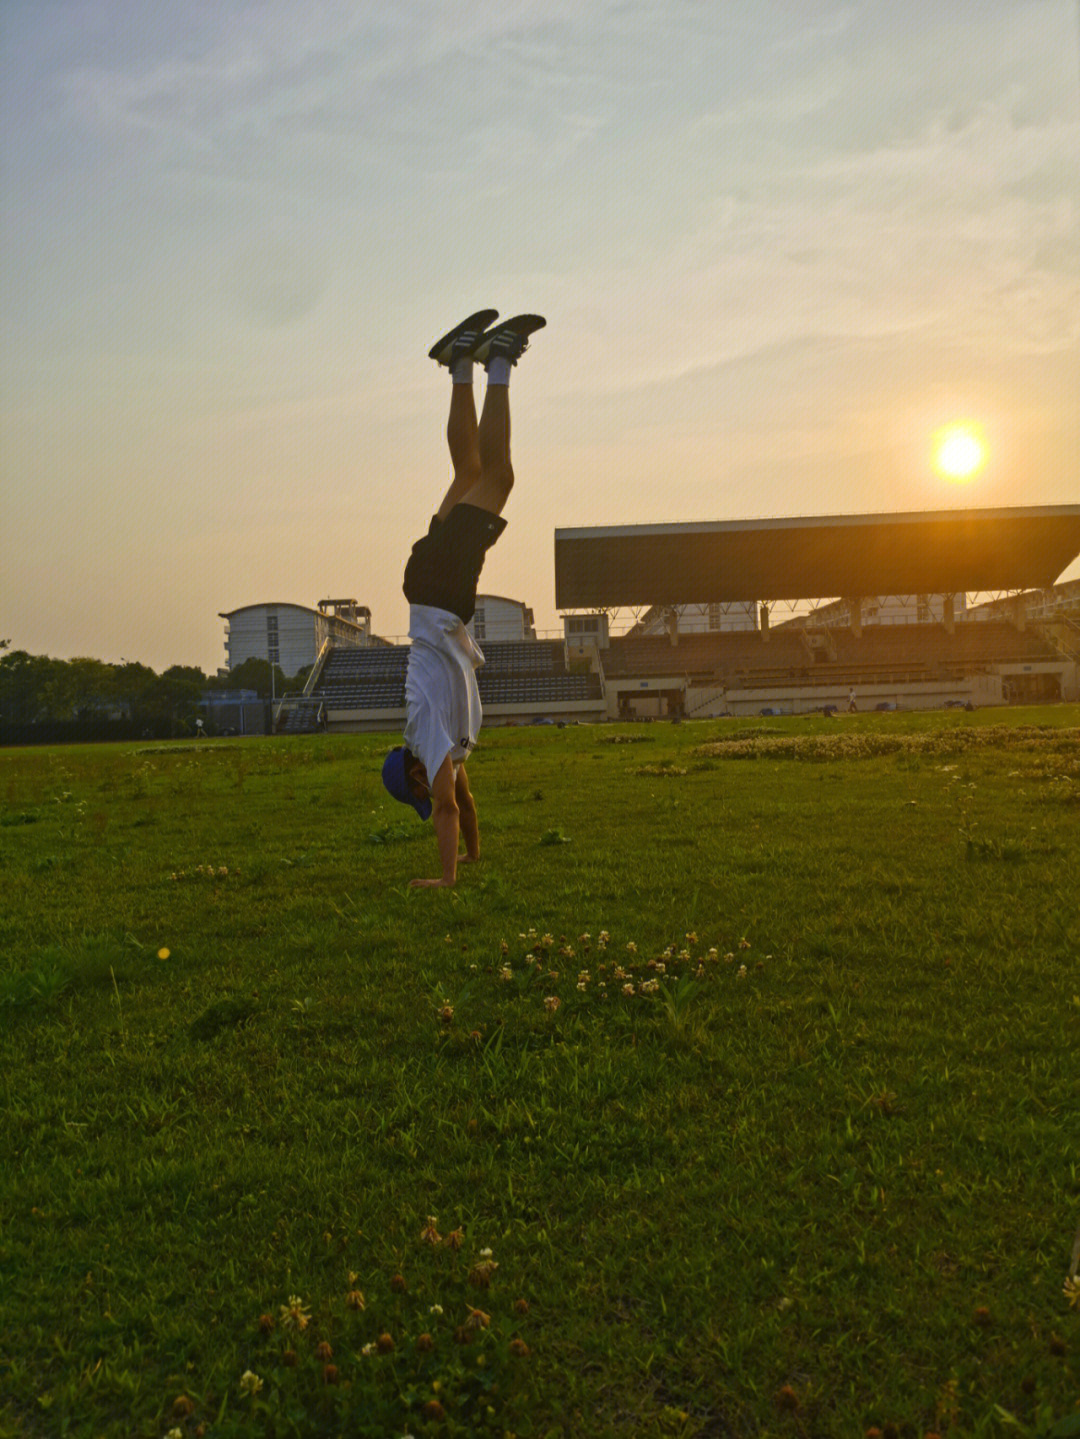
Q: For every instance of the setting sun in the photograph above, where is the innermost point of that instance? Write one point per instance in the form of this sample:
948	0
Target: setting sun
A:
959	452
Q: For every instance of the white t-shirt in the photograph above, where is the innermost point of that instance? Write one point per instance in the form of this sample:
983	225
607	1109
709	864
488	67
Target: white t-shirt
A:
441	694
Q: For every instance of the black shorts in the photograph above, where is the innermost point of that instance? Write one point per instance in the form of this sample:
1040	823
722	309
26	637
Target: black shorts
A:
444	567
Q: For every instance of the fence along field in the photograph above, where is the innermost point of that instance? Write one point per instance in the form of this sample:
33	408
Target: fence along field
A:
733	1093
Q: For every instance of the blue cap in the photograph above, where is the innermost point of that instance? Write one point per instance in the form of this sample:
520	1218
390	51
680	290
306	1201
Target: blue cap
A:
396	780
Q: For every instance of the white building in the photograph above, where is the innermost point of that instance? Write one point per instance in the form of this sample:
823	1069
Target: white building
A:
500	619
291	636
891	610
584	633
697	619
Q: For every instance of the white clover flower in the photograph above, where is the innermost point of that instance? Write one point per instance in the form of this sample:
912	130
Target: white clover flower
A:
367	1350
1071	1291
485	1253
741	974
250	1383
295	1314
435	1309
631	947
628	989
552	1003
506	972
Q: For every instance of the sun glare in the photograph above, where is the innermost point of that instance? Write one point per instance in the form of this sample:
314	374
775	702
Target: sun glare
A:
959	452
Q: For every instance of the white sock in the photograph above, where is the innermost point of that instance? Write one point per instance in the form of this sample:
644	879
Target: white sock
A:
462	371
498	370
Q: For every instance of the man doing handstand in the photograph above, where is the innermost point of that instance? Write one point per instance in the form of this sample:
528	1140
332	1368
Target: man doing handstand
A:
443	712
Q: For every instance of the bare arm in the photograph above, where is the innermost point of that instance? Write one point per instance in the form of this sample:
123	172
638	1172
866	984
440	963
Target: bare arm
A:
470	826
444	817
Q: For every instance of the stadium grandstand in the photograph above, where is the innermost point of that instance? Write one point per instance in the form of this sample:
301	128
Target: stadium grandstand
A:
741	617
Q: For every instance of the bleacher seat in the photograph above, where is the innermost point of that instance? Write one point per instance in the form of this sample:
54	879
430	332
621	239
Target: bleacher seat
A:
523	673
885	653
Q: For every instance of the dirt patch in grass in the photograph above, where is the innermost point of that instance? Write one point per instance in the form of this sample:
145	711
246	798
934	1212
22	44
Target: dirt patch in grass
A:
871	746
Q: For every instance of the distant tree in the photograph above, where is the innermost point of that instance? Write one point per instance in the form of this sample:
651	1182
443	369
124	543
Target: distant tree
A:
177	693
24	681
254	674
132	683
79	689
185	674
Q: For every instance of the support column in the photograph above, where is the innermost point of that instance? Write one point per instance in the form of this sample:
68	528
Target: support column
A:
855	613
1019	612
764	623
948	613
671	623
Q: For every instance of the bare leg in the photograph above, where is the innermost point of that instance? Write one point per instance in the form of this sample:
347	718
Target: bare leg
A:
462	437
496	477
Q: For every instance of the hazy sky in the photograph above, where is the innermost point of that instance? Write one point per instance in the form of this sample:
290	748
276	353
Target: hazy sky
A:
778	243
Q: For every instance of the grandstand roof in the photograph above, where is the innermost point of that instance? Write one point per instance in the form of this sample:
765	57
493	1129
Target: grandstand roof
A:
926	552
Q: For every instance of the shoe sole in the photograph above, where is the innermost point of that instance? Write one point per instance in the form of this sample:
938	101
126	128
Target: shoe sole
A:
519	325
479	322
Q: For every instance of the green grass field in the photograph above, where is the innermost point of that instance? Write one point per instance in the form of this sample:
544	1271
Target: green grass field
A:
749	1051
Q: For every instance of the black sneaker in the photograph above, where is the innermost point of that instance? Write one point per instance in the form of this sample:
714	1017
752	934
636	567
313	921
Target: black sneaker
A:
508	340
460	342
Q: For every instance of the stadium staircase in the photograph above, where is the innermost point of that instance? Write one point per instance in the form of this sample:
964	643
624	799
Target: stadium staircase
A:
1063	632
299	715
